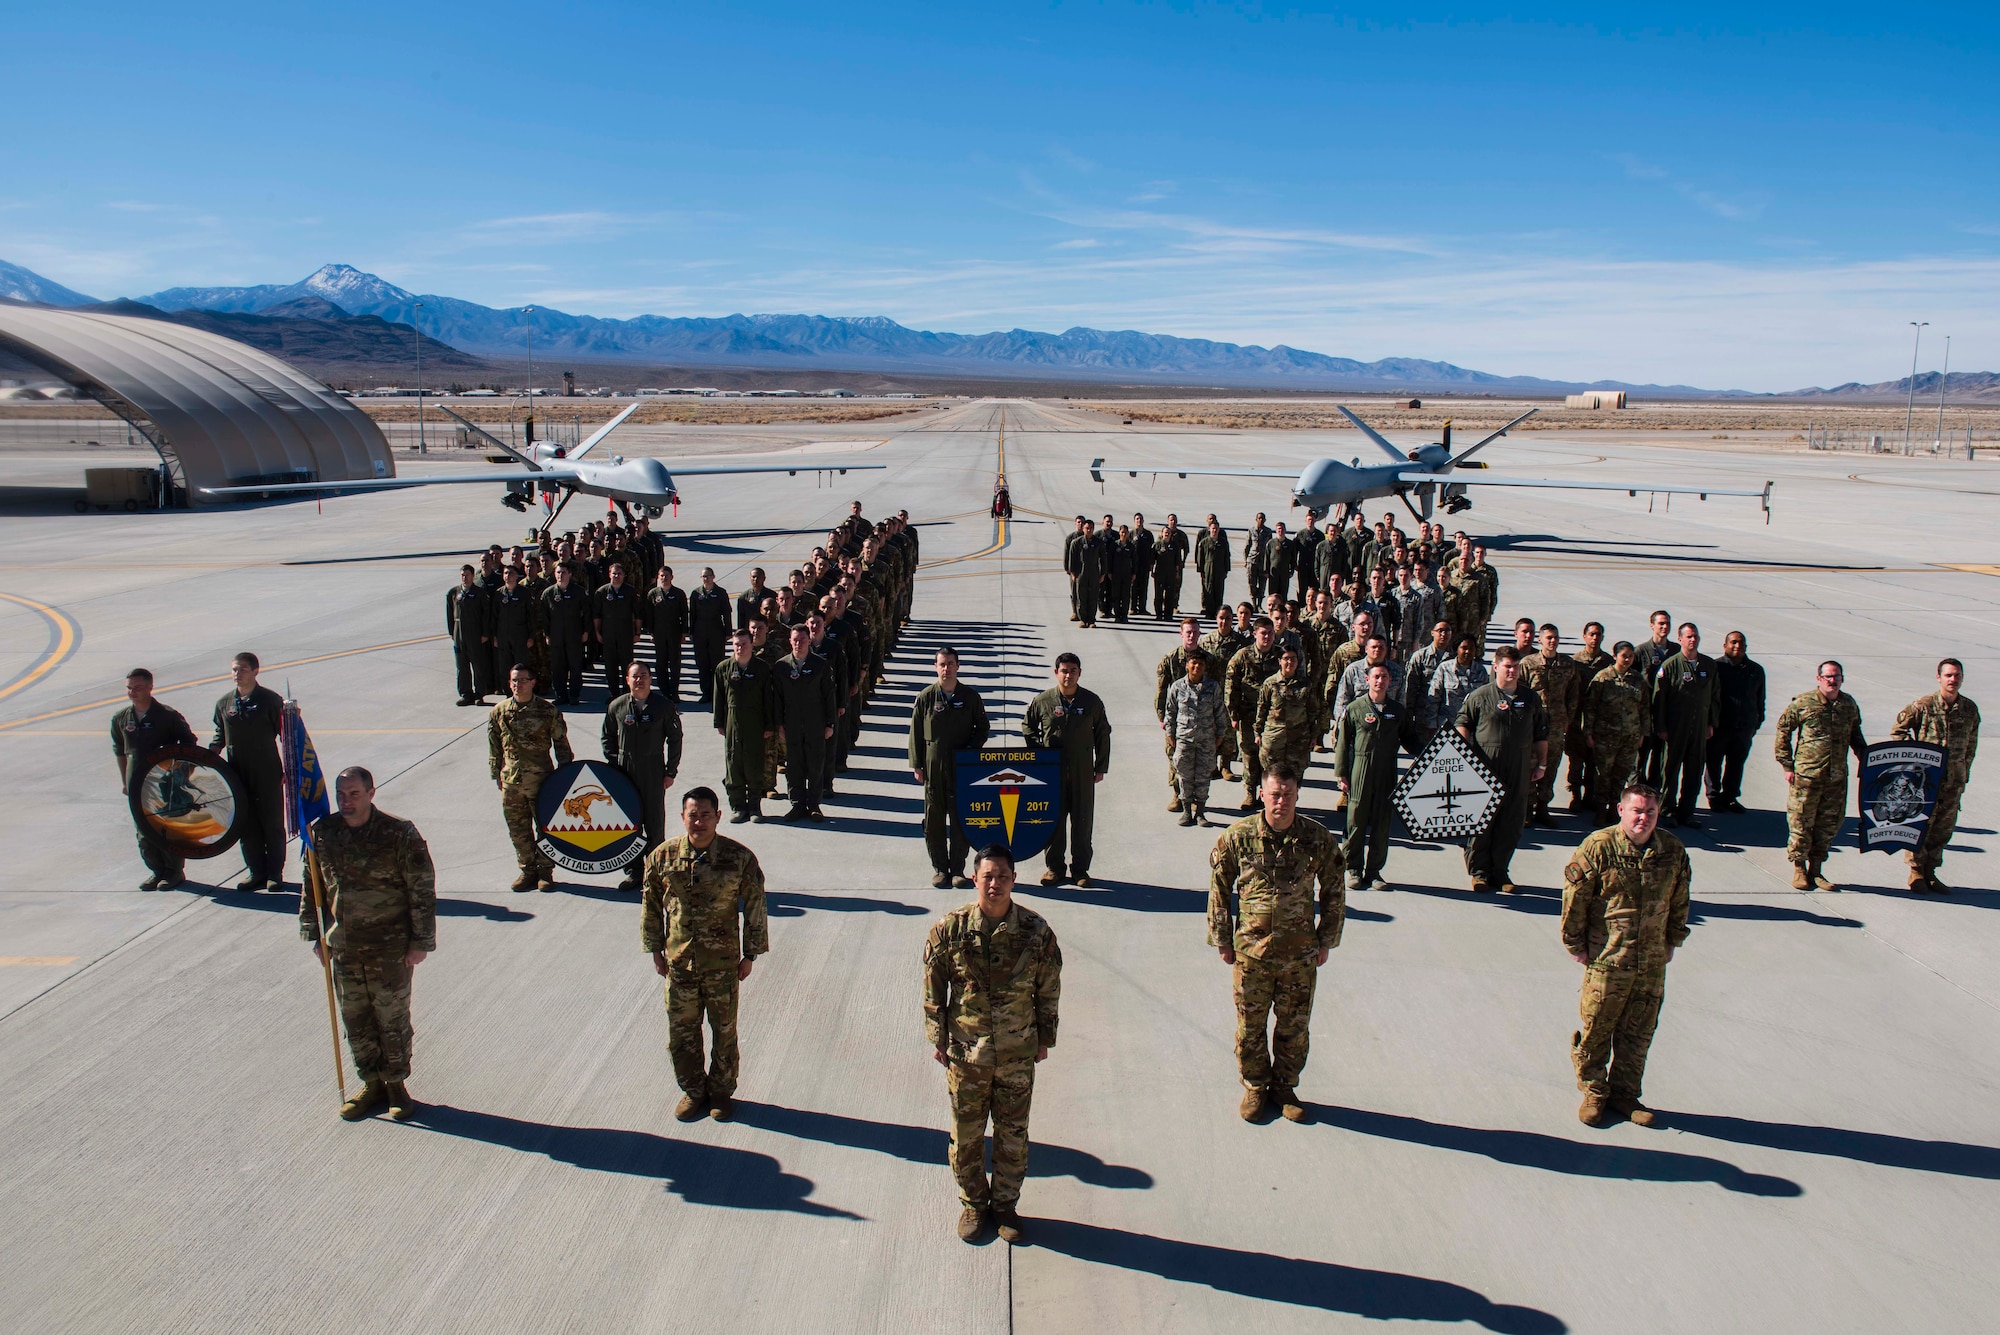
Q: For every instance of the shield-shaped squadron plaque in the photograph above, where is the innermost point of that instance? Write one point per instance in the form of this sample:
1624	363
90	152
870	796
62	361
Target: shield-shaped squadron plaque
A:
1899	791
1009	797
1448	792
588	818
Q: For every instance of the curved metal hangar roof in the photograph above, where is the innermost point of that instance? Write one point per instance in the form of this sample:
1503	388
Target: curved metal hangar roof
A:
221	413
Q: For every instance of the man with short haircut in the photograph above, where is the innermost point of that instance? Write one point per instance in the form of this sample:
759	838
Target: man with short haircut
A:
1268	925
808	703
521	732
947	717
1617	716
1945	718
667	621
1507	724
247	722
709	629
1085	566
1556	681
615	619
1624	913
992	997
1685	712
1195	722
1590	660
566	614
467	621
1374	729
1826	723
1170	554
702	920
1248	670
1652	653
1211	564
1419	671
745	714
1739	705
516	622
1288	715
751	601
380	911
1068	718
142	727
642	735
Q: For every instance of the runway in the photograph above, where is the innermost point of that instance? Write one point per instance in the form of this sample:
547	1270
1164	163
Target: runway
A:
1829	1063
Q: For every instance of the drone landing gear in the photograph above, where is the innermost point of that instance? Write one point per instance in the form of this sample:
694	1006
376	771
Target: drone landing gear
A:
542	533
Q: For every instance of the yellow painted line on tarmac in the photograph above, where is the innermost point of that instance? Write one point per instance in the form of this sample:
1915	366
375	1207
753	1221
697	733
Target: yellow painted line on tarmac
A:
210	681
999	525
1970	569
62	642
36	961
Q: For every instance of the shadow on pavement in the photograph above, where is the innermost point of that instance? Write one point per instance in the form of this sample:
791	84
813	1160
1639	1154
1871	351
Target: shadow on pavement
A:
1930	1156
287	903
698	1173
1554	1154
1701	910
932	1145
795	903
1131	896
1527	899
1381	1295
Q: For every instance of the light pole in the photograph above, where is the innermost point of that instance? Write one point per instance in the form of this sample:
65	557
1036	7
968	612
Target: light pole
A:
420	379
1910	412
529	312
1942	377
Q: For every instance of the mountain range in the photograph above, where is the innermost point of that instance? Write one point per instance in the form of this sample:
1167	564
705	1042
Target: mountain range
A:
831	343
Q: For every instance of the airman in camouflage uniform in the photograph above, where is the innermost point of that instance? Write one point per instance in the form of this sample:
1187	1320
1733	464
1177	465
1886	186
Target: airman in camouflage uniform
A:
380	905
1288	716
520	733
1624	913
1195	723
1249	669
1590	660
992	991
1222	644
702	920
1555	677
1261	919
1617	712
1827	724
1170	673
1944	718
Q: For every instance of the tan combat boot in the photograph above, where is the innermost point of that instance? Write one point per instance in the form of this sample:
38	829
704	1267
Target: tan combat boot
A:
690	1107
971	1223
525	881
1633	1111
1007	1222
1289	1105
1919	882
721	1108
1252	1106
1593	1111
1821	881
364	1101
401	1106
1174	802
1800	880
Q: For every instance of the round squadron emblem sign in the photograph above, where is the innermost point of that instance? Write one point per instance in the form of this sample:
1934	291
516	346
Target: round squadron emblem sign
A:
189	799
588	818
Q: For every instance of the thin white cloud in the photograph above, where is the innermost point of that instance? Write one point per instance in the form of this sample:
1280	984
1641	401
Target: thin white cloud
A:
1741	208
1078	243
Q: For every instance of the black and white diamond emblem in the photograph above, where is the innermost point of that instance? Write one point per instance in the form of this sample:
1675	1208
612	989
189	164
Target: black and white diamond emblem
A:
1448	792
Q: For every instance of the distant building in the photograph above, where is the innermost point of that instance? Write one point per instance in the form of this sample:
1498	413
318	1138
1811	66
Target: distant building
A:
1596	398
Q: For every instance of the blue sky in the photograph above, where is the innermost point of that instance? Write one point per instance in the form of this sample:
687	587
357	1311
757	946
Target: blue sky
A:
1725	196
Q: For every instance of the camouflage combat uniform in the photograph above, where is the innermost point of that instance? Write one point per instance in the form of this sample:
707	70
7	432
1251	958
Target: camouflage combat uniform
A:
1559	682
991	994
381	903
1261	905
1288	721
1220	648
1195	728
1818	763
703	908
519	739
1625	909
1617	711
1248	671
1955	727
1172	669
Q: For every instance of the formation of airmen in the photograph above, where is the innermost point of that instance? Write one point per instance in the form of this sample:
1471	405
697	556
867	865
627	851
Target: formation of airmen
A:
1383	646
